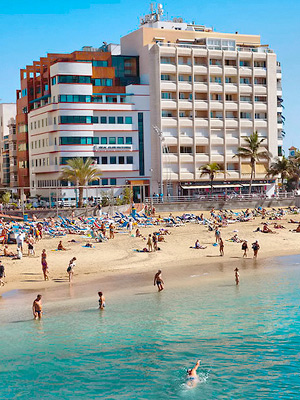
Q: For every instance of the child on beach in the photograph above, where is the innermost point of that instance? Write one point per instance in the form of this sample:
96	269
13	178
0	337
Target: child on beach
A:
70	269
101	301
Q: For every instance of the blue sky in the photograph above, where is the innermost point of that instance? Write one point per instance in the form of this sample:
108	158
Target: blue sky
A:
29	30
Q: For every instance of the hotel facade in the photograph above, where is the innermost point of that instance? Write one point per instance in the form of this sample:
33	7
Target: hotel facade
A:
172	98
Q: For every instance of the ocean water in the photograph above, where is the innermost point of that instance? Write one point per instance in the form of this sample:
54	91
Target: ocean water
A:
247	338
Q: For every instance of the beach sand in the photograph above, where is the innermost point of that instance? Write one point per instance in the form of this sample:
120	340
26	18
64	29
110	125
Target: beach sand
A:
115	265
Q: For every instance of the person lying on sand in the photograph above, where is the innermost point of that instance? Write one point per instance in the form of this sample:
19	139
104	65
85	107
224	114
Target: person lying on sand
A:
297	229
266	229
7	253
277	226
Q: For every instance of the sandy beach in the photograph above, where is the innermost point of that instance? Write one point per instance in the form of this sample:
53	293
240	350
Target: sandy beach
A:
116	264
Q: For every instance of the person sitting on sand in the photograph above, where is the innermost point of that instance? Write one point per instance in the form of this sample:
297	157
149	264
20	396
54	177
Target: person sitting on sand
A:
138	233
101	301
198	245
8	253
266	229
192	375
60	246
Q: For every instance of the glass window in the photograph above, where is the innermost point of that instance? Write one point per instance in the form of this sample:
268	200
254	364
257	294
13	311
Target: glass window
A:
129	160
95	140
112	140
99	63
128	120
121	160
89	140
111	120
104	160
129	140
120	120
113	181
53	80
103	120
104	140
113	160
120	140
104	181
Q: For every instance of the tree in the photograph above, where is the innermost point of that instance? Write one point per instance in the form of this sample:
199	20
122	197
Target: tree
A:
80	173
255	151
6	197
211	170
281	167
127	195
294	170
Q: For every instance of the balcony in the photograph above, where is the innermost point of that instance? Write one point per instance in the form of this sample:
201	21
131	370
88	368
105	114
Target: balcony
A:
245	106
216	122
231	88
184	86
184	104
201	105
230	70
245	89
260	106
186	140
246	123
186	158
170	158
260	123
200	69
201	140
216	87
200	87
216	105
167	68
202	158
232	140
215	69
186	122
231	106
216	140
217	158
260	72
168	86
184	69
260	89
231	122
170	140
168	104
169	121
245	71
201	122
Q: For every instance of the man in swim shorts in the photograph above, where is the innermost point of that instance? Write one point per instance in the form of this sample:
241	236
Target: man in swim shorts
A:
37	307
192	375
101	301
158	281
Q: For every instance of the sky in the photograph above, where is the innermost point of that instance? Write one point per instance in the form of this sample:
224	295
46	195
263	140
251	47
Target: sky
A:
30	30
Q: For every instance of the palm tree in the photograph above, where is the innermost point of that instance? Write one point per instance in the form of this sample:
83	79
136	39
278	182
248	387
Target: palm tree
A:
80	172
212	170
254	151
295	169
281	167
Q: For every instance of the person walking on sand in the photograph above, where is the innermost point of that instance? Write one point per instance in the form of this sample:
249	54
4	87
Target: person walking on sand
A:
101	301
37	309
44	265
221	244
255	247
245	248
237	276
217	235
70	269
149	243
111	231
2	273
159	281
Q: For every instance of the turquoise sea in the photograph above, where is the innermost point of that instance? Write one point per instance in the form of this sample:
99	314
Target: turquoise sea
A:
247	338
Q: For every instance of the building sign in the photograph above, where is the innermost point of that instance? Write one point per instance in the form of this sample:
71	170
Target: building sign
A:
113	147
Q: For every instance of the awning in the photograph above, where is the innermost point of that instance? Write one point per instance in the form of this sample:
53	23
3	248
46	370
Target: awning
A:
214	186
256	184
40	98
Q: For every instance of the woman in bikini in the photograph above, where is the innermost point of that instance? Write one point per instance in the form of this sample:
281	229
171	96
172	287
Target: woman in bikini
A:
44	265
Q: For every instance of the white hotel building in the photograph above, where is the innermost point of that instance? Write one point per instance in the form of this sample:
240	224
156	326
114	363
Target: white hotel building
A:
208	91
200	94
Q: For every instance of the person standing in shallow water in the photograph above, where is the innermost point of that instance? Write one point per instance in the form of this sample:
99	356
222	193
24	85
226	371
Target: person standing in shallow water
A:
255	247
237	276
101	301
159	281
245	248
37	307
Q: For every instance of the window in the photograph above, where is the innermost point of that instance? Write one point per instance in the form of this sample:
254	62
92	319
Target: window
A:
31	127
104	181
54	120
104	140
104	160
103	82
42	123
228	97
43	143
69	140
32	145
129	160
53	80
112	140
113	181
165	60
185	149
121	160
228	79
246	98
129	140
78	119
166	95
165	77
244	63
34	124
24	92
73	79
120	120
128	120
216	79
74	99
113	160
99	63
279	151
103	120
111	120
55	142
245	81
55	160
120	140
53	99
245	115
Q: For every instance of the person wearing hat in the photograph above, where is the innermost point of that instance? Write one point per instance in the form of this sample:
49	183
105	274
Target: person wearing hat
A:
237	276
245	248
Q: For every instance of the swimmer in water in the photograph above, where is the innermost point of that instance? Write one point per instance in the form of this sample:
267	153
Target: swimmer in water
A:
192	376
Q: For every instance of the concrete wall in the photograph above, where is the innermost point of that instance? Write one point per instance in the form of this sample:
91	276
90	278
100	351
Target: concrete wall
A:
221	205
